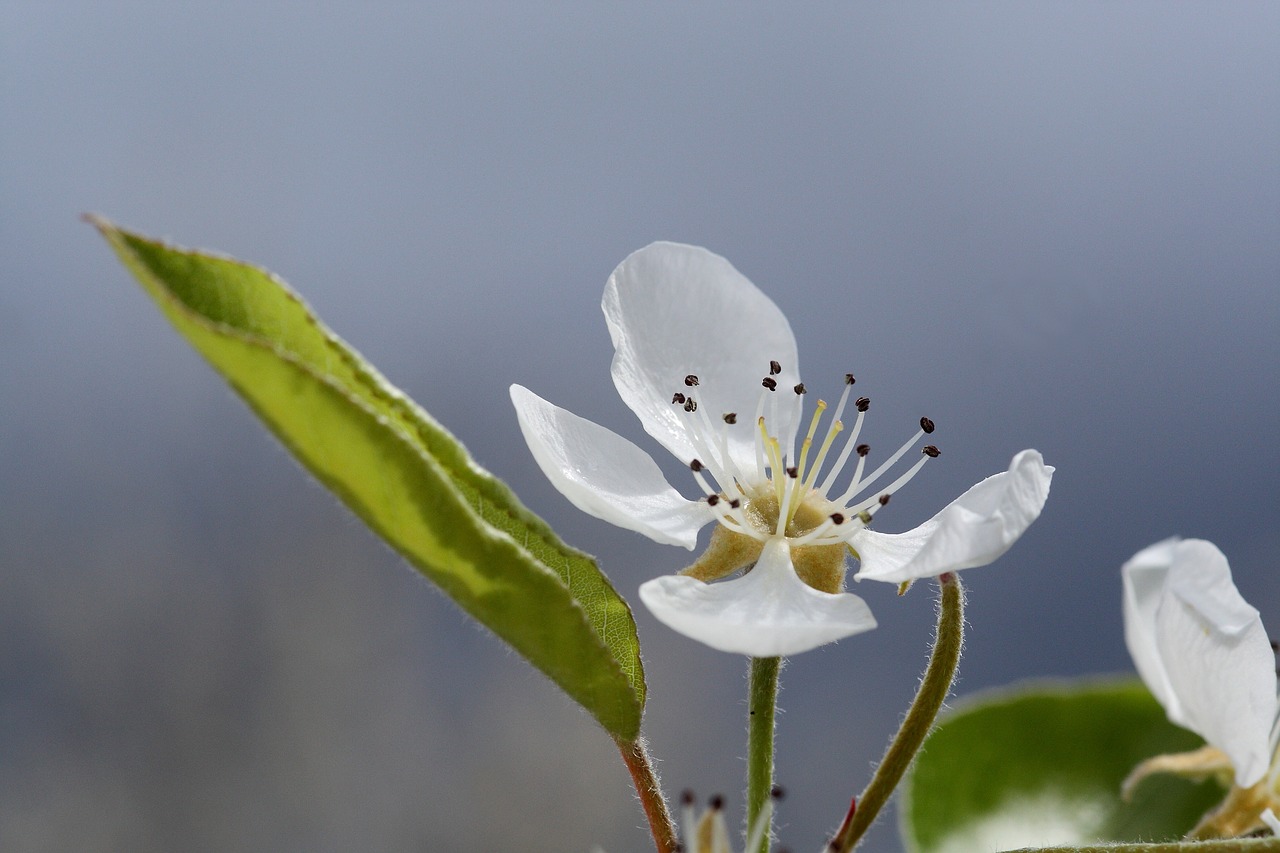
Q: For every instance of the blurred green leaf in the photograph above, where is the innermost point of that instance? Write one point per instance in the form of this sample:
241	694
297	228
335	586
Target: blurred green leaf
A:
1042	764
401	472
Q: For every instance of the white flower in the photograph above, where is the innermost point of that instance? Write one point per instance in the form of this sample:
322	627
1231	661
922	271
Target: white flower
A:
708	363
1202	651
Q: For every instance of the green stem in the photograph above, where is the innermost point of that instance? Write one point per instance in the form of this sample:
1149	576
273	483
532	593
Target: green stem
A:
636	756
1231	845
763	702
934	687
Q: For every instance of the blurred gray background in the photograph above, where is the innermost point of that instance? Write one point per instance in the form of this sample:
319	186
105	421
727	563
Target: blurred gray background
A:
1043	225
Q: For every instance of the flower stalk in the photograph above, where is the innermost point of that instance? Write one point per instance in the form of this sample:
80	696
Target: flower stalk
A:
649	789
934	689
762	690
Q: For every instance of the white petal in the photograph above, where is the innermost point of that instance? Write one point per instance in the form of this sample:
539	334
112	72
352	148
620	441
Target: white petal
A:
1202	650
1144	579
605	475
675	310
765	613
973	530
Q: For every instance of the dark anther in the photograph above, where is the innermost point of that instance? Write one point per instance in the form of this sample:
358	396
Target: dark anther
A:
793	472
926	425
837	518
931	451
716	803
884	500
677	398
687	798
735	503
774	368
800	389
777	792
712	500
863	449
863	403
691	405
691	380
696	465
769	382
731	417
848	379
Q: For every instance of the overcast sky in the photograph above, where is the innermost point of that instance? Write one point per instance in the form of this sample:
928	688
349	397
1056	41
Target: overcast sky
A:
1043	225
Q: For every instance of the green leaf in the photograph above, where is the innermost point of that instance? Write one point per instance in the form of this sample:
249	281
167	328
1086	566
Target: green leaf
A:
1042	764
402	473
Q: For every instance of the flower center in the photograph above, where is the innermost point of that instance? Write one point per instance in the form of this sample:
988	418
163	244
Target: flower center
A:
781	495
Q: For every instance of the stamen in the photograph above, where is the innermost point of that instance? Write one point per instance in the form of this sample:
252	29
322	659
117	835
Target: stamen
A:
785	502
897	484
776	464
844	396
848	446
677	399
813	428
800	389
848	379
731	418
774	368
691	405
883	499
731	515
695	465
688	817
818	532
691	380
770	383
723	467
863	403
884	466
760	445
773	409
854	488
926	425
761	825
931	451
827	533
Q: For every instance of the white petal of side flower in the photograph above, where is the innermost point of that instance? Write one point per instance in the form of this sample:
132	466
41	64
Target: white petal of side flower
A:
605	475
767	612
1202	650
673	310
973	530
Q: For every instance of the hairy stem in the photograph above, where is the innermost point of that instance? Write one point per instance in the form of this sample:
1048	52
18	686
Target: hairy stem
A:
934	687
636	756
762	697
1234	845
